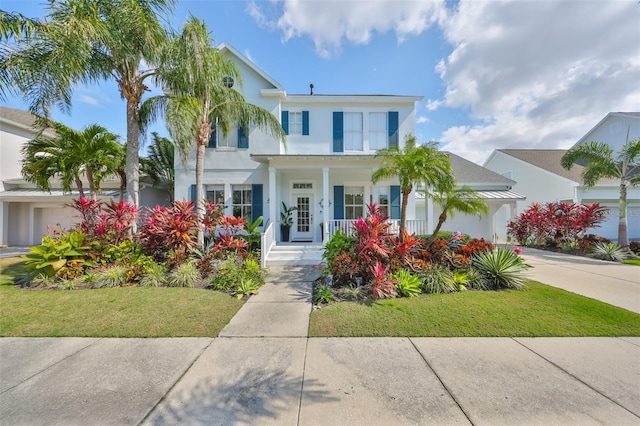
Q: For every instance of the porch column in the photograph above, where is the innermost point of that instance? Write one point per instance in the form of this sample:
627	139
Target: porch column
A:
273	202
4	223
325	204
428	208
32	226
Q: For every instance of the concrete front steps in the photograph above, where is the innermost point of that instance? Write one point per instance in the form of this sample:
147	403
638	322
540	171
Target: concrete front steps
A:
295	254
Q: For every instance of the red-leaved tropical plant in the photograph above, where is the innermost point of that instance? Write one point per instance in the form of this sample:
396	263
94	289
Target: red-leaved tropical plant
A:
105	223
382	286
373	239
555	223
169	233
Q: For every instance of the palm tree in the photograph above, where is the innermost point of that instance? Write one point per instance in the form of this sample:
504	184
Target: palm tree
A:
464	200
413	165
69	155
84	41
601	162
159	163
195	76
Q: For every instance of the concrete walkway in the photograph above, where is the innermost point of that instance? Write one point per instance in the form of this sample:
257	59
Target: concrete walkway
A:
263	369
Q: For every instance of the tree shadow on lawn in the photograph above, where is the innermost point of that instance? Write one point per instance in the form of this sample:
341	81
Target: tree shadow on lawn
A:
9	269
251	398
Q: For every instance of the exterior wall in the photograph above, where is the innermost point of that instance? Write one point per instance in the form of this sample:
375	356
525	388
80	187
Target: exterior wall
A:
539	186
12	139
321	109
613	130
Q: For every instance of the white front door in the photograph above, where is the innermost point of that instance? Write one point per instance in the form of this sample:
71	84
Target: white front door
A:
303	218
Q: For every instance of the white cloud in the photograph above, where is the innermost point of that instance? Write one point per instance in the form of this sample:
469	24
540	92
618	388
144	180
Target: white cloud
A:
86	99
330	23
537	74
422	119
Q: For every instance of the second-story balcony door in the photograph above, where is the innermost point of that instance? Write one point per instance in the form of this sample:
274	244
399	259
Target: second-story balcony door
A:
303	217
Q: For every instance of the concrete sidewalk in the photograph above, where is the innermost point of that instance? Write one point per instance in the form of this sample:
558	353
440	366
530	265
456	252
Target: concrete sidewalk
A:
263	369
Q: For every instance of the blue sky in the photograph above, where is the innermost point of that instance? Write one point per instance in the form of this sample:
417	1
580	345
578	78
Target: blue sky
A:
494	74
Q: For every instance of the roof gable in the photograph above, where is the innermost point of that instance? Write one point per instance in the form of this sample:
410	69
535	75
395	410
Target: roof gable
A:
226	48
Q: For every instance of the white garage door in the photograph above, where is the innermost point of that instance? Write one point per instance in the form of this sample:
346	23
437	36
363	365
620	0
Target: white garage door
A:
48	218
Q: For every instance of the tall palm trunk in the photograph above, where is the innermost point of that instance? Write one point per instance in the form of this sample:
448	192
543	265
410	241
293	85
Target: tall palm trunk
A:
92	188
403	214
79	186
204	132
441	220
623	238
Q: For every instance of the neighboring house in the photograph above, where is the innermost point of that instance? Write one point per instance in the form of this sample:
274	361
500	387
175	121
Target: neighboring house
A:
541	178
325	170
27	213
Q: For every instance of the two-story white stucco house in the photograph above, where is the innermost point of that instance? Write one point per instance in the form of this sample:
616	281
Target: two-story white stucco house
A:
540	177
324	171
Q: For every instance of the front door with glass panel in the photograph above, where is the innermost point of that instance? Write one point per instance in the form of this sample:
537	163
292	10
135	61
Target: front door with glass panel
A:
303	218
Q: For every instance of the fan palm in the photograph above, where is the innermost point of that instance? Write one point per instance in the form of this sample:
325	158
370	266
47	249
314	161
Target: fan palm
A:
195	75
464	200
84	41
413	165
69	155
600	162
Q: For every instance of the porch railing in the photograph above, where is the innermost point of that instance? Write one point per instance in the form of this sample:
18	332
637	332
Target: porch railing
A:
413	226
267	241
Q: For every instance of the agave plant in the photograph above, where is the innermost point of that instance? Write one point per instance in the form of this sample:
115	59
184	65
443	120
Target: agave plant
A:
500	268
609	251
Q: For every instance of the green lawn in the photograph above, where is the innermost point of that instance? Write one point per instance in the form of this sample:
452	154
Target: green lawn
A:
117	312
632	262
538	311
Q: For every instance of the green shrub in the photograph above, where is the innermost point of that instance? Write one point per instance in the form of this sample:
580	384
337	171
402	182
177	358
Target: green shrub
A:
353	292
114	276
437	280
609	251
246	287
339	243
154	277
407	284
184	275
228	274
323	294
500	269
63	256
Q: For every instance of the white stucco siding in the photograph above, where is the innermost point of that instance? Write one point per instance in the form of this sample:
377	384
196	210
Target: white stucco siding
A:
538	185
320	138
11	141
613	131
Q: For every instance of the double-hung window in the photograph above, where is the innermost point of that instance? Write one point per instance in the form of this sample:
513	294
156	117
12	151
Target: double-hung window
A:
241	199
382	201
378	134
295	123
215	194
353	202
353	131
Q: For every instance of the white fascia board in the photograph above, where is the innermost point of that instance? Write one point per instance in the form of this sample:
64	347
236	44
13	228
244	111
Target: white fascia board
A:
541	169
224	46
371	99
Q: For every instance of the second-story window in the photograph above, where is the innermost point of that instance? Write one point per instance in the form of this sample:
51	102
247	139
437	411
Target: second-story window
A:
353	131
295	123
378	134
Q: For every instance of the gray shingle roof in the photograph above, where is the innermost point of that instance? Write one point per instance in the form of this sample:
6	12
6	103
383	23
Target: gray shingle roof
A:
546	159
467	172
17	116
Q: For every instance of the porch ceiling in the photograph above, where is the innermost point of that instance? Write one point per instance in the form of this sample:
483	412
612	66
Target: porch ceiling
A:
490	195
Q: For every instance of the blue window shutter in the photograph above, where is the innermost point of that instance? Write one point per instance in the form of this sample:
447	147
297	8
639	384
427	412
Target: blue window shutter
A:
194	193
285	121
393	128
305	123
256	201
243	138
338	133
338	202
394	202
212	138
